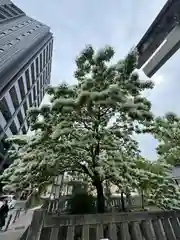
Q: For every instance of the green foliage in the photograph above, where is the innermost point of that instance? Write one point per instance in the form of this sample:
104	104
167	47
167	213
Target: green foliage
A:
88	129
81	203
167	131
165	194
29	169
152	181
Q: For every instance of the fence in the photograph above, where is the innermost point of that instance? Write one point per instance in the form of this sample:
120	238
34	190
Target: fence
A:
117	226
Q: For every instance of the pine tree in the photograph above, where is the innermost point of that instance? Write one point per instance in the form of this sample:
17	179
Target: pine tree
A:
89	127
166	130
30	166
163	192
155	184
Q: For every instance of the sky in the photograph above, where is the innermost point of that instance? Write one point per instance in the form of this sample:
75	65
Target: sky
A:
118	23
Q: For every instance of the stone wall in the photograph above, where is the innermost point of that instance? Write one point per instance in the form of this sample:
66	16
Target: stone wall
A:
124	226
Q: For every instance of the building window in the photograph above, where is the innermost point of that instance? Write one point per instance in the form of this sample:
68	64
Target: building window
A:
44	77
41	95
5	110
24	130
1	131
32	72
4	145
48	80
35	104
46	54
25	108
30	100
21	87
34	93
14	97
20	118
10	10
45	73
41	63
13	128
49	53
4	12
2	34
44	58
49	68
1	161
41	82
2	17
18	39
39	100
38	87
2	150
28	122
16	8
50	50
37	67
27	79
15	27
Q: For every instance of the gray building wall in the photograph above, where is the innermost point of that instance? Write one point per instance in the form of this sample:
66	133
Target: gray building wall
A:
25	67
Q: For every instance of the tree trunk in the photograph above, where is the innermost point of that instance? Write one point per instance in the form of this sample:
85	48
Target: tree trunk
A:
100	196
142	199
129	201
122	202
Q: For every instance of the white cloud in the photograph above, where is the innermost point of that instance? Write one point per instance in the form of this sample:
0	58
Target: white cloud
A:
158	80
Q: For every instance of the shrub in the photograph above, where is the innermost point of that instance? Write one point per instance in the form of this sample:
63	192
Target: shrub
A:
82	203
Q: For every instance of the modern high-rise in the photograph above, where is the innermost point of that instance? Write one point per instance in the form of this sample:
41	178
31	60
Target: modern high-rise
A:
25	67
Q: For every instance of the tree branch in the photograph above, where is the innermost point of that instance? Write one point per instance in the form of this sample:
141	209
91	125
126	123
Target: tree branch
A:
85	169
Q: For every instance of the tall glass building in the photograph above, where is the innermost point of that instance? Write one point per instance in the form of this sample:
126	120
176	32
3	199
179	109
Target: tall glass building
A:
25	67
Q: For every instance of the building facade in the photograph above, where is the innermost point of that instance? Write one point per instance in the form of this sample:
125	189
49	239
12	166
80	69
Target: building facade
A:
25	67
176	174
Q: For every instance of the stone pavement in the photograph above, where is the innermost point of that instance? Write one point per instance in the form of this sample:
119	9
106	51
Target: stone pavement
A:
16	229
13	235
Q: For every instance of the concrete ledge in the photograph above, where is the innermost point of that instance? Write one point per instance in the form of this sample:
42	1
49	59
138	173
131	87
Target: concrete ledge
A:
170	45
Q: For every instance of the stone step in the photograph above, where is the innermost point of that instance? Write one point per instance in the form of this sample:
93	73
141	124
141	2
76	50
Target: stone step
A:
16	230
